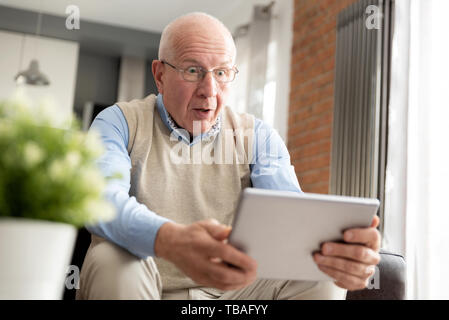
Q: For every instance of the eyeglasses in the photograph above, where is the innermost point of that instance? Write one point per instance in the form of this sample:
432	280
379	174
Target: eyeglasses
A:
196	73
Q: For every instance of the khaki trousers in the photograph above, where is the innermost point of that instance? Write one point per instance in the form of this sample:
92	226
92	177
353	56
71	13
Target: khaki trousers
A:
111	273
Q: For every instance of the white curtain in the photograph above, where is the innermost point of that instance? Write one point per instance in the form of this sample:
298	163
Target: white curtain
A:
252	42
262	86
238	94
417	214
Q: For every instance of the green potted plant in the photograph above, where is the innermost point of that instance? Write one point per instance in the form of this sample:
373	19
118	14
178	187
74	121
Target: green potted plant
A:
49	186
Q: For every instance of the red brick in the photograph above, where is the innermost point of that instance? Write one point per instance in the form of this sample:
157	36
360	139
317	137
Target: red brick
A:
322	188
311	136
314	177
310	124
313	149
312	90
311	163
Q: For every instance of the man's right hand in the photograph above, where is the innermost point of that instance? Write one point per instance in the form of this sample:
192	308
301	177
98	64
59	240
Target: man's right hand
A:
201	252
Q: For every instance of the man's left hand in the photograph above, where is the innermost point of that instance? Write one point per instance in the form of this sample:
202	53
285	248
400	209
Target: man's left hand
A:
351	264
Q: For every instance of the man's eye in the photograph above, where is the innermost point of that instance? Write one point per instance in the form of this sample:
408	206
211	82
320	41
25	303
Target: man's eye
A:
220	72
192	70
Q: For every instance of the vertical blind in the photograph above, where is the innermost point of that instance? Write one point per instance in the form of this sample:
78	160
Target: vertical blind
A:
361	97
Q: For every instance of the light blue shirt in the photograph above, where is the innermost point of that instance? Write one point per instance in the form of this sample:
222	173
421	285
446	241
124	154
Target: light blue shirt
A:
135	227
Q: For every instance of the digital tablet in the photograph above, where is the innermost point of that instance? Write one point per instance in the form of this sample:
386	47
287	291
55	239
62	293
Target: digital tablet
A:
281	230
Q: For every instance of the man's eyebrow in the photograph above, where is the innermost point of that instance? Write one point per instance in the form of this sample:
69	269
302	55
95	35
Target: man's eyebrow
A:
197	63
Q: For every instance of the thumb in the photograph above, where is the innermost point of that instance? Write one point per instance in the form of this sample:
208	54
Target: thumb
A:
375	222
217	230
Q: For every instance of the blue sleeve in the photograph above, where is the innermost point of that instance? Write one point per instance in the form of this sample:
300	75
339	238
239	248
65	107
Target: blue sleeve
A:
271	167
135	227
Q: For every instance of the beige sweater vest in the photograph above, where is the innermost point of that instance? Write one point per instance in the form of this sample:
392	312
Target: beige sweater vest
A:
183	183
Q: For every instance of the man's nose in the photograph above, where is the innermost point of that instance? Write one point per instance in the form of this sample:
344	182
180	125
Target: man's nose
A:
208	85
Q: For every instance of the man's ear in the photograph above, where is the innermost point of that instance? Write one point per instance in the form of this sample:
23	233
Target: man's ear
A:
157	68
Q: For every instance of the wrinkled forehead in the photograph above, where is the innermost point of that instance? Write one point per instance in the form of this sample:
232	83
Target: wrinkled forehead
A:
203	40
200	46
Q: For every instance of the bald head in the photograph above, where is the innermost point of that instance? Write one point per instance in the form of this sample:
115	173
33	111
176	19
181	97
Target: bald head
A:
208	29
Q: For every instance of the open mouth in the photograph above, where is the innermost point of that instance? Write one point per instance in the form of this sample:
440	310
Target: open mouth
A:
203	113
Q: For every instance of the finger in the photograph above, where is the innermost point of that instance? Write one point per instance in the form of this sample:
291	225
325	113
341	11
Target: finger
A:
367	236
216	260
222	274
213	273
208	278
219	272
354	252
344	286
345	280
339	284
231	255
375	222
218	231
357	269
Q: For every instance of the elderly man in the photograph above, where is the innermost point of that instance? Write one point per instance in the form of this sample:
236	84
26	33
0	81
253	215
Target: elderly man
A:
169	238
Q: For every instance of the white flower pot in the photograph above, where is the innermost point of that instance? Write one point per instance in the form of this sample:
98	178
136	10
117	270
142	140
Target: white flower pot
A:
34	257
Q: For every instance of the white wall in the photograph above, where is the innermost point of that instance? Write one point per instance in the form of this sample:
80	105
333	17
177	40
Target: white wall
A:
132	78
58	60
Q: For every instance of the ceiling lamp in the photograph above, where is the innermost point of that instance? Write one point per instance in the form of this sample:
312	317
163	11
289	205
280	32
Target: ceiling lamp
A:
32	75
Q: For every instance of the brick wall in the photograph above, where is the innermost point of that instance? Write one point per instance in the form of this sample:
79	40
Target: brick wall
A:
312	90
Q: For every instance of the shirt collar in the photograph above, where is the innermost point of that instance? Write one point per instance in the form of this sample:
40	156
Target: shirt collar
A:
180	133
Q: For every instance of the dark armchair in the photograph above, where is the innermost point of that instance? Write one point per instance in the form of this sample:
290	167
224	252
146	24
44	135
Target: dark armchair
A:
388	283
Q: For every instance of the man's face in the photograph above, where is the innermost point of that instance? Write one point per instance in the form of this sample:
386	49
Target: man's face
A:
200	101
